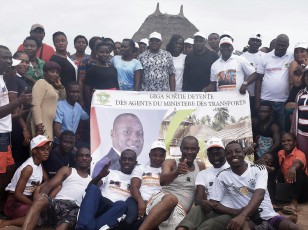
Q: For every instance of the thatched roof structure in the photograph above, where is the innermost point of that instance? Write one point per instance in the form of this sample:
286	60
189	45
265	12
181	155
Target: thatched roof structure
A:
167	25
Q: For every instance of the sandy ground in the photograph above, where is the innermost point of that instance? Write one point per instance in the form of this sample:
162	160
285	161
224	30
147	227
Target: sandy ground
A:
302	219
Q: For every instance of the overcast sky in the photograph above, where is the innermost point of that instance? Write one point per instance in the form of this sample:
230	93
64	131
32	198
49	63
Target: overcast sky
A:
120	19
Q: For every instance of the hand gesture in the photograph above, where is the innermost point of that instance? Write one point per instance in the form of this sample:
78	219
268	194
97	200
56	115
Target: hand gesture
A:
141	209
291	175
182	167
237	223
25	98
58	85
105	170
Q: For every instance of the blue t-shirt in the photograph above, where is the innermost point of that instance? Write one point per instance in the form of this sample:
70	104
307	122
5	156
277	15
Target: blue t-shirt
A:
126	70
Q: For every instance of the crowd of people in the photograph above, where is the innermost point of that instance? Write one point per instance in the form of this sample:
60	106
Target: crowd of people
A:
45	135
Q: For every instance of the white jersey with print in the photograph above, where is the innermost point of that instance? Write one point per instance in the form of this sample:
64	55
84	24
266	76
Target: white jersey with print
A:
275	83
5	122
116	186
229	75
254	59
73	187
241	188
207	177
149	177
35	179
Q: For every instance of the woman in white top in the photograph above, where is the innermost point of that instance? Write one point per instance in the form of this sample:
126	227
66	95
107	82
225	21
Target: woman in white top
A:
175	47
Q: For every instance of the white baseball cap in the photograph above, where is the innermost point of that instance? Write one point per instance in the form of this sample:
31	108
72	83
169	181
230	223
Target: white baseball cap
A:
200	34
214	142
145	41
38	141
256	36
189	41
226	34
226	40
301	44
15	62
136	45
155	35
158	144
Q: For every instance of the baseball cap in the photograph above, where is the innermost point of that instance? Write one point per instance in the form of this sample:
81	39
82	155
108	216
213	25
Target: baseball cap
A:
214	142
256	36
35	26
226	40
145	41
15	62
155	35
136	45
301	44
158	144
226	34
38	141
200	34
189	41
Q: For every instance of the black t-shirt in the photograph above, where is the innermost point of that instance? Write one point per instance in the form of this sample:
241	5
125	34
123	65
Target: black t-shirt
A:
18	84
56	161
102	77
68	72
197	70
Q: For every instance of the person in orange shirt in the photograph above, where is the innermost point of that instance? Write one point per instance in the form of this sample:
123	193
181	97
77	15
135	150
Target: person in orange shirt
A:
293	167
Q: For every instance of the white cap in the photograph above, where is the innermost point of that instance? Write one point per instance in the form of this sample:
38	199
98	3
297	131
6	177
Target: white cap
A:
15	62
145	41
158	144
226	34
35	26
189	41
200	34
136	45
256	36
38	141
301	44
214	142
155	35
226	40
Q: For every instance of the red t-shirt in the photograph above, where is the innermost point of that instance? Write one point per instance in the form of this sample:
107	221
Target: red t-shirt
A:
47	53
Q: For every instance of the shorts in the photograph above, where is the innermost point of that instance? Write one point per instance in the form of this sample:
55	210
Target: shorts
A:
6	158
62	211
275	221
14	208
176	216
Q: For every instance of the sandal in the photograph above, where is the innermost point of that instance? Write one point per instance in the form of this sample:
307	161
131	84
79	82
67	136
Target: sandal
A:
289	210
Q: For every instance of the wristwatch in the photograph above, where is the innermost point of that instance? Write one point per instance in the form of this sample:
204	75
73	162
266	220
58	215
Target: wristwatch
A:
245	83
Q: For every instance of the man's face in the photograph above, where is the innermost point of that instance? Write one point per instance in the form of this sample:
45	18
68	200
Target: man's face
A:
157	157
73	93
5	60
154	44
142	47
213	41
128	161
188	48
226	50
264	112
288	143
199	44
235	155
30	48
281	47
127	133
39	34
254	45
83	158
117	48
216	156
189	149
67	143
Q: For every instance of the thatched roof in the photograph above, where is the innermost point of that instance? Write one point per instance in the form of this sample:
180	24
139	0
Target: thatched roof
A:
167	25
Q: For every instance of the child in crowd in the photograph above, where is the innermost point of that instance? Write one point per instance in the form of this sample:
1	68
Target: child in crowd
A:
25	182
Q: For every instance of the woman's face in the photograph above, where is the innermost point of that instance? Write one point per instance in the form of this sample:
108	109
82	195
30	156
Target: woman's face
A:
60	43
81	45
30	48
178	45
300	54
126	49
103	53
24	65
52	76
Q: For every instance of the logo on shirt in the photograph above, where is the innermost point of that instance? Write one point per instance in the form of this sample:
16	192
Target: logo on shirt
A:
103	98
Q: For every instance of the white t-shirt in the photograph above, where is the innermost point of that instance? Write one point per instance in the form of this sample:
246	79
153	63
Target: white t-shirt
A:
241	188
230	74
179	63
275	84
149	177
35	179
5	122
207	177
254	59
116	186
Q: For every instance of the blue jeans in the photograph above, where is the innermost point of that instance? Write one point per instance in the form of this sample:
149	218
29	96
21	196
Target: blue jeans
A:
278	113
97	211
